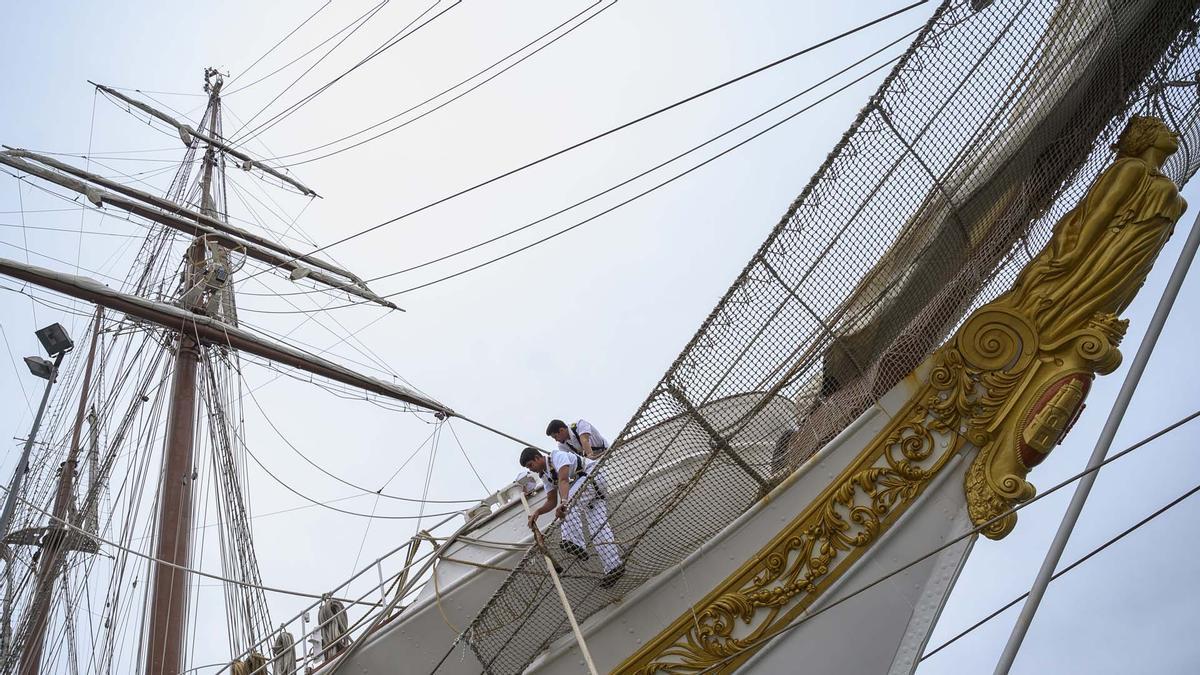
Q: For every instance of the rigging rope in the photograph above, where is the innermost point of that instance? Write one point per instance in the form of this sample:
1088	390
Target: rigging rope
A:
324	505
447	90
650	170
468	458
398	37
606	211
361	21
370	11
364	490
276	45
624	125
1095	551
67	525
16	371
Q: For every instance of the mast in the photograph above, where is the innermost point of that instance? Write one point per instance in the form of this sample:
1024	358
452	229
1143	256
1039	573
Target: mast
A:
90	518
58	539
169	592
200	316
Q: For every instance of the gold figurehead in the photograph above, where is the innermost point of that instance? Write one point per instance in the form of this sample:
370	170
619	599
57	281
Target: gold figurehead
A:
1010	382
1018	370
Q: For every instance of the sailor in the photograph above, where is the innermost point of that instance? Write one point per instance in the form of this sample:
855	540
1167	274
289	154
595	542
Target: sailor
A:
564	474
580	438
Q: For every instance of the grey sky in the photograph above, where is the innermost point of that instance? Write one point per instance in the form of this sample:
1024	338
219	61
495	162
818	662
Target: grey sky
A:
505	344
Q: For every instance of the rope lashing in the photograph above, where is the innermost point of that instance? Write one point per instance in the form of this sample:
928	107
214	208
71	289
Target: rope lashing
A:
284	651
335	626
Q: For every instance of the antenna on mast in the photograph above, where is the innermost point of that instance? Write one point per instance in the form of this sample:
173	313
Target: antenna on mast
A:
213	80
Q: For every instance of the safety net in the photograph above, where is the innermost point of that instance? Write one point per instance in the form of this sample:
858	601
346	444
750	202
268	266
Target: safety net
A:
987	130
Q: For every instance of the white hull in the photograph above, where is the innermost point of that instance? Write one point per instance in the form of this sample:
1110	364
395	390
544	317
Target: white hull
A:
897	615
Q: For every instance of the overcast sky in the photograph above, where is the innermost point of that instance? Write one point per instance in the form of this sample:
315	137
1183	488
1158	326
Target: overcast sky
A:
582	326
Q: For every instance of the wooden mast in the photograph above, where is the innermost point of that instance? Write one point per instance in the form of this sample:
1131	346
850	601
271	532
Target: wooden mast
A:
57	538
169	592
197	321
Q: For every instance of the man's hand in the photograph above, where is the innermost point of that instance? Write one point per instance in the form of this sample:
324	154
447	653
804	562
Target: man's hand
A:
561	512
533	521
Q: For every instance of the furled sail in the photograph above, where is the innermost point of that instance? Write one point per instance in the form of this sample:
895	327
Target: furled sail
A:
207	329
187	134
178	217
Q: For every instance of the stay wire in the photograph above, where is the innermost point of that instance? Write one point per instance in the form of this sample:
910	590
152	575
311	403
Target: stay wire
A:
620	127
468	458
82	209
67	525
25	238
644	173
618	205
1068	568
758	642
318	467
280	42
312	49
29	251
448	90
361	21
366	534
67	231
65	309
392	42
239	435
16	371
437	439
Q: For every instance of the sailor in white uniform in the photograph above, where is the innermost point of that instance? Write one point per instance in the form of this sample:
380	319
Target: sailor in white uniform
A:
564	475
580	438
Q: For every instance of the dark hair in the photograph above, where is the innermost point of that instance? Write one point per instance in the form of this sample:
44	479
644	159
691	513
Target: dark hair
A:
529	454
555	425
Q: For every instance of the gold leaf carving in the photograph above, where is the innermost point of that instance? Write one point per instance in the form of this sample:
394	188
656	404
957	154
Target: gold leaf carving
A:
1037	346
1063	312
808	555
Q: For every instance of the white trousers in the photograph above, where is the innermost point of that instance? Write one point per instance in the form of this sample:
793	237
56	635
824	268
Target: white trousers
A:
595	510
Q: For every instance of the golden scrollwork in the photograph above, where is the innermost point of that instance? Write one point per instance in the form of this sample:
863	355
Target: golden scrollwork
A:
1022	364
815	549
1010	382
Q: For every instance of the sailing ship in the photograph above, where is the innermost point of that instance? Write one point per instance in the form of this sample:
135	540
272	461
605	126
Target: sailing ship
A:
867	398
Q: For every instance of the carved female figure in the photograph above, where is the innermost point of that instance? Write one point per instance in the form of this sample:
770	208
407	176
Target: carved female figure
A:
1102	250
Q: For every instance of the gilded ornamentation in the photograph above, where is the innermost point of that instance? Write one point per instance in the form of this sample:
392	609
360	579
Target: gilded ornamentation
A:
1020	377
1010	382
813	551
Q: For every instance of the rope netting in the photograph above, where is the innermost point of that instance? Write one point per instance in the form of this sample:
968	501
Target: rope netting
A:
987	131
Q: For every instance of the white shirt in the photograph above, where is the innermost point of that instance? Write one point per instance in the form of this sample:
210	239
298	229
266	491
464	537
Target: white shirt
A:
561	458
582	427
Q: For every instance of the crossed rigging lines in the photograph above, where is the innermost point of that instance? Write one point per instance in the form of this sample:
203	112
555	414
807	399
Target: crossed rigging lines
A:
842	598
450	89
567	149
628	181
1089	555
401	34
609	132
